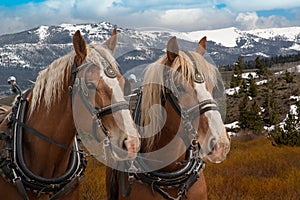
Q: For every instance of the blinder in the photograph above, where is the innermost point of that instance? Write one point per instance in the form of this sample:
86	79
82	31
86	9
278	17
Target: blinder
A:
110	72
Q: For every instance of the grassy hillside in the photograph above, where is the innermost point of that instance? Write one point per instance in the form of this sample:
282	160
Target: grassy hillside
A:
253	170
283	93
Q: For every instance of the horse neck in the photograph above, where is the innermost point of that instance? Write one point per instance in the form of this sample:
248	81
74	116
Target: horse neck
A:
42	157
167	134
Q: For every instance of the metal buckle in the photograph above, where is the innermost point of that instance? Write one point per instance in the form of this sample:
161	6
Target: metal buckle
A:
106	143
132	169
16	177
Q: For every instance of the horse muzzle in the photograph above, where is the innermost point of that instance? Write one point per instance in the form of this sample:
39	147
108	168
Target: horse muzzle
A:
127	148
218	152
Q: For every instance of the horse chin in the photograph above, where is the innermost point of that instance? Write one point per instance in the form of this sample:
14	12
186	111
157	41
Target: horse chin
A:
217	155
213	159
120	154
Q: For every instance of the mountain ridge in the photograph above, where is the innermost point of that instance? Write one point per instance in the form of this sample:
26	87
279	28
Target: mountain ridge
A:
38	47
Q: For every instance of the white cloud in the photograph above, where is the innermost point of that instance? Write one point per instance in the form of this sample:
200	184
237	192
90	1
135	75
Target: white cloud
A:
254	5
195	19
274	21
250	20
247	20
176	14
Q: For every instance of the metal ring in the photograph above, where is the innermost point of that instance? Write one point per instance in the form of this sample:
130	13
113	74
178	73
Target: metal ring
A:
110	72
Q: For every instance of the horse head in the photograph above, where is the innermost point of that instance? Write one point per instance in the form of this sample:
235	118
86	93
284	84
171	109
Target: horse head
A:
99	96
184	85
193	84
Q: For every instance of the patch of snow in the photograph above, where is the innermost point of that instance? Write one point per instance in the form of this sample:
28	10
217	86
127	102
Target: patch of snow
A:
293	110
289	33
294	47
231	134
42	32
297	98
226	36
261	82
297	68
246	75
232	91
257	54
135	58
232	125
269	128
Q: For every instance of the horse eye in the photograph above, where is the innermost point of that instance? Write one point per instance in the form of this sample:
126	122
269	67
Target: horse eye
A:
198	78
91	85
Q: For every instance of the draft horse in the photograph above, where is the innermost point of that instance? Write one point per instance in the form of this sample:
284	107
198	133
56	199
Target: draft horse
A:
183	84
40	157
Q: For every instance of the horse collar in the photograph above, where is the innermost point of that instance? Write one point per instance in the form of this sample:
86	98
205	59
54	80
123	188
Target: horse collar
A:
14	169
182	179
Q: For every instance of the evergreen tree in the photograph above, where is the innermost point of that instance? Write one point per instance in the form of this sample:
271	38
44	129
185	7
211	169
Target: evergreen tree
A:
244	87
255	122
288	77
270	103
298	109
243	117
260	67
292	131
236	78
240	63
252	86
289	134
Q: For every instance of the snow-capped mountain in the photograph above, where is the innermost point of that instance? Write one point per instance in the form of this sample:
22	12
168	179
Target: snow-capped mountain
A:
38	47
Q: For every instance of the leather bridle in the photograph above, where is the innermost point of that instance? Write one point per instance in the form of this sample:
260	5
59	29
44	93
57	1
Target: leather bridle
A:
81	88
188	115
13	166
185	177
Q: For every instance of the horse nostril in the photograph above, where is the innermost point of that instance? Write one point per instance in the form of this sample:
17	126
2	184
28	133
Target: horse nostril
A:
212	144
124	145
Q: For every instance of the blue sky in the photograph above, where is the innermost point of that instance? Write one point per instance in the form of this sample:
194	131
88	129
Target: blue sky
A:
180	15
17	2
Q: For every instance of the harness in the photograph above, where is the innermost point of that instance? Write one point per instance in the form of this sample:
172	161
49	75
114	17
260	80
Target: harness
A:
12	164
14	169
184	178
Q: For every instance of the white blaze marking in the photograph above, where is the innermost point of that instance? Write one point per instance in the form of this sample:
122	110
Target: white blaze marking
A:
215	122
118	96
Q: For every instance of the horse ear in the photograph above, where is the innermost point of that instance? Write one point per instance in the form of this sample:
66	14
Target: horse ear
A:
172	49
79	47
201	46
111	43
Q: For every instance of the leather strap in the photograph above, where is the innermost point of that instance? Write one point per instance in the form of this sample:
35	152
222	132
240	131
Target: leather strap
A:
42	136
18	183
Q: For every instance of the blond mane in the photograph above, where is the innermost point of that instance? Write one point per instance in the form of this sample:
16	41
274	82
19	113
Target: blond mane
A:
151	117
50	83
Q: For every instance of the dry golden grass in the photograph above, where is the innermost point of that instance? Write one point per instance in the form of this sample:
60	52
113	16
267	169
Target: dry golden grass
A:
253	170
256	170
93	187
